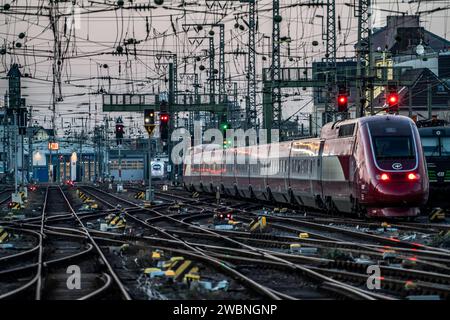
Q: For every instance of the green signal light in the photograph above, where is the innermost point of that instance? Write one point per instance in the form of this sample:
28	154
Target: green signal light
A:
224	126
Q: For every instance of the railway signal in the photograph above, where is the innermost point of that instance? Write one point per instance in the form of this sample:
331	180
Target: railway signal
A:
164	126
392	100
342	102
149	124
223	127
149	120
119	130
119	137
223	123
149	116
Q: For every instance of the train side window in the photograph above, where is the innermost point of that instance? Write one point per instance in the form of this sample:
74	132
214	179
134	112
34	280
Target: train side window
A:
346	130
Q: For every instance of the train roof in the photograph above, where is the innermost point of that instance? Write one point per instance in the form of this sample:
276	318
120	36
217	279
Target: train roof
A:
331	130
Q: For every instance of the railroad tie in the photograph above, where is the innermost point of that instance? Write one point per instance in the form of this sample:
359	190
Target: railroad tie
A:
4	235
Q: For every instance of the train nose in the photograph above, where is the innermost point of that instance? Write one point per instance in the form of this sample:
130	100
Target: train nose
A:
396	192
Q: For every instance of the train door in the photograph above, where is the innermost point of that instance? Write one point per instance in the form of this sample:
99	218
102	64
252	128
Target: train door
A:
259	162
197	165
317	186
243	167
287	179
228	179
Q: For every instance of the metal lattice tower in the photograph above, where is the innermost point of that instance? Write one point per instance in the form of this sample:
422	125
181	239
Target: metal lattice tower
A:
221	26
175	79
330	56
212	77
222	62
276	64
251	114
174	58
363	54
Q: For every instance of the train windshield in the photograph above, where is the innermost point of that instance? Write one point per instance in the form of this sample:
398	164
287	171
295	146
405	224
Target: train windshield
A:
430	146
393	147
445	146
436	146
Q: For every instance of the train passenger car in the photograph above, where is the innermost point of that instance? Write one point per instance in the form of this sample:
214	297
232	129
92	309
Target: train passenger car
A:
158	169
436	147
368	166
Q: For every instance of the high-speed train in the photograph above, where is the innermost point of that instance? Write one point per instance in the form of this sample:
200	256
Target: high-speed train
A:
158	169
371	166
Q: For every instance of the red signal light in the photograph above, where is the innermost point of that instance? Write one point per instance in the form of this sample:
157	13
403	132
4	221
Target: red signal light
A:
384	177
342	101
393	98
393	101
164	117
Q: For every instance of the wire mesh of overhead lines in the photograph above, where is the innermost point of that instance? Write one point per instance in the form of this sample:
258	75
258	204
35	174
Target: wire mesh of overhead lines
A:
72	52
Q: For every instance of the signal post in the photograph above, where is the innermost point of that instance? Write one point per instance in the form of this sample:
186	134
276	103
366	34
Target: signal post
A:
119	138
149	124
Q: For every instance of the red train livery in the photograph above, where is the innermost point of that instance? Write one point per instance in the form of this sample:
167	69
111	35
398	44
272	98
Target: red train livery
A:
370	166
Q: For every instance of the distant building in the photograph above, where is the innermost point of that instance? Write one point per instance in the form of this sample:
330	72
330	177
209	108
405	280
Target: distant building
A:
429	95
402	35
424	59
411	53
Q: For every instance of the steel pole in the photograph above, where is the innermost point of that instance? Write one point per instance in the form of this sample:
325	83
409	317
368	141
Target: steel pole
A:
149	195
15	149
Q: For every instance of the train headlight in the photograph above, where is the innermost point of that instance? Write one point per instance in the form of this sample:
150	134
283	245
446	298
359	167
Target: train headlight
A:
413	176
383	177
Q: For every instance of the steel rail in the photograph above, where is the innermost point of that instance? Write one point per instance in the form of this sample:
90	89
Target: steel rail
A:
111	271
392	242
294	266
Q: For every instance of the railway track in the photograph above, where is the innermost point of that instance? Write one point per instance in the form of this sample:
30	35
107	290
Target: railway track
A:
45	271
113	200
428	281
5	197
327	231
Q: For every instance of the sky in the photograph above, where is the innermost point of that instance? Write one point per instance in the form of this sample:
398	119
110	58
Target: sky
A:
86	48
